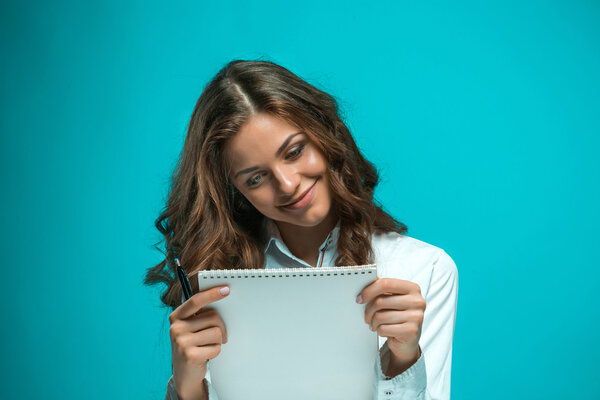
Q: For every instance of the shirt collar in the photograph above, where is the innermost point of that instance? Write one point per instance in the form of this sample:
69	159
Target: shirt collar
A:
274	237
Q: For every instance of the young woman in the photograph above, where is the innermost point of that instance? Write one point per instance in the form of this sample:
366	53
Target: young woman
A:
270	176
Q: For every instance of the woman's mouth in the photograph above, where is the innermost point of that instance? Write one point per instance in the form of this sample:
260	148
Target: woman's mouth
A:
303	200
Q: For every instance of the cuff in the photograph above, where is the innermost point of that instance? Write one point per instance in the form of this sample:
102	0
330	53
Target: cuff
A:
171	392
408	385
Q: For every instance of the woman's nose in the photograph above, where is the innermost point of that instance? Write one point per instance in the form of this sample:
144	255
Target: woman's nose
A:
287	179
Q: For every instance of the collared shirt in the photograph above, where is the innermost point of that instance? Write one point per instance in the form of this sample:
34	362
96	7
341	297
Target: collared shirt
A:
400	257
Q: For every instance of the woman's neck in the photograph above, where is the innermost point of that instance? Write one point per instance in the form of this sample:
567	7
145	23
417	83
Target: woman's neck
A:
303	241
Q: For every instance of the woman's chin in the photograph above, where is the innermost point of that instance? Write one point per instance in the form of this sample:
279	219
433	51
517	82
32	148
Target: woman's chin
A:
312	219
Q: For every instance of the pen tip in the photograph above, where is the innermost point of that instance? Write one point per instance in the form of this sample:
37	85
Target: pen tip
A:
177	262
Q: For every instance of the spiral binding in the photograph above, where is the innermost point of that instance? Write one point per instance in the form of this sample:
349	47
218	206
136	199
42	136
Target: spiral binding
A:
287	272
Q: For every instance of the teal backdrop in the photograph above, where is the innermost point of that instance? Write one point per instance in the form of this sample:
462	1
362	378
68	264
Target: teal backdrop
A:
483	118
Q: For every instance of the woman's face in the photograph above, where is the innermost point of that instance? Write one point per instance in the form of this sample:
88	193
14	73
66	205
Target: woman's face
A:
280	171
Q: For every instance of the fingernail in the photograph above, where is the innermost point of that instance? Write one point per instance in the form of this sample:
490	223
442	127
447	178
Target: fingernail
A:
359	299
224	290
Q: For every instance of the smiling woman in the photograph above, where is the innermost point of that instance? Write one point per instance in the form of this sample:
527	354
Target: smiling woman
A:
271	177
287	181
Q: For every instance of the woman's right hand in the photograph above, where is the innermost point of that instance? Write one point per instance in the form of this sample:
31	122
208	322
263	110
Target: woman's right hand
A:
196	333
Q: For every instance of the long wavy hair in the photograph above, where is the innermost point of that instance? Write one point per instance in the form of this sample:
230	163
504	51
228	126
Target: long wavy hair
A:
208	224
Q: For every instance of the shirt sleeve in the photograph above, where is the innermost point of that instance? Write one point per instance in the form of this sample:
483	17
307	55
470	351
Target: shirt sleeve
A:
428	380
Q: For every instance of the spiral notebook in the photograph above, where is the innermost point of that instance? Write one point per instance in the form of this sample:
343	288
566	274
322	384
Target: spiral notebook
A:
293	334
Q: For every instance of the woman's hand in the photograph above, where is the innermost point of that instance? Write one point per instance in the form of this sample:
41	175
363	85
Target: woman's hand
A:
196	333
395	310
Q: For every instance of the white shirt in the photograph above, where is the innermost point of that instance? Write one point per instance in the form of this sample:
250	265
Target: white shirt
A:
400	257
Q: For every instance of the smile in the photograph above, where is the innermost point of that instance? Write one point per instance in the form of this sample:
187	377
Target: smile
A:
303	200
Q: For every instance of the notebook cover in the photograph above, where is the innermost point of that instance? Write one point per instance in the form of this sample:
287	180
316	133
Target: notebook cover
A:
294	334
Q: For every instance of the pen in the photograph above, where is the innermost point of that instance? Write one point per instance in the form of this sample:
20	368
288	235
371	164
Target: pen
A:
184	280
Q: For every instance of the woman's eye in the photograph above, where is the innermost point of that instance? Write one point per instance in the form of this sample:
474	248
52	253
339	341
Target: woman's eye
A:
295	153
255	180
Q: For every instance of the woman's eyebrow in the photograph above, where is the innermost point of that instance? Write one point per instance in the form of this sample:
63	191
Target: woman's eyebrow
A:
286	142
277	153
245	171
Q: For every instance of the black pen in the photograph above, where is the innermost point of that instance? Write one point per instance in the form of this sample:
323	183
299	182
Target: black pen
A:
184	280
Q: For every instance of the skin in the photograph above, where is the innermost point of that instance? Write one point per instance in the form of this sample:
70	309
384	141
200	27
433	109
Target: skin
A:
273	164
395	309
270	176
197	333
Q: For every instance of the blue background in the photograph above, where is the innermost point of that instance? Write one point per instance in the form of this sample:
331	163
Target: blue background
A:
482	116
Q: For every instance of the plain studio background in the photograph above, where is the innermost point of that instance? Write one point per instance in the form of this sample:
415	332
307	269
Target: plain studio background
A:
482	117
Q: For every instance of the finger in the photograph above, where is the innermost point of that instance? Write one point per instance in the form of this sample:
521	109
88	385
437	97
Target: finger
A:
210	336
405	332
388	317
387	285
397	317
198	301
207	318
204	319
387	302
199	355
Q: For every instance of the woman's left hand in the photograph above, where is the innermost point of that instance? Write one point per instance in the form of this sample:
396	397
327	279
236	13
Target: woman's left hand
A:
395	310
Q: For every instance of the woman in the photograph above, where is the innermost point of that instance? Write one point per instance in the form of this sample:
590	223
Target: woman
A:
270	176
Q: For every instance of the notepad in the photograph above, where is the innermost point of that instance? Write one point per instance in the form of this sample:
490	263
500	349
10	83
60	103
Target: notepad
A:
294	334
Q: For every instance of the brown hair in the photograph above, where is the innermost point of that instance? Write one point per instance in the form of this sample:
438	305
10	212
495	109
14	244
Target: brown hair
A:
208	224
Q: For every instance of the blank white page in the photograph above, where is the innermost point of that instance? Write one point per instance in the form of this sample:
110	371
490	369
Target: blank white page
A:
294	334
